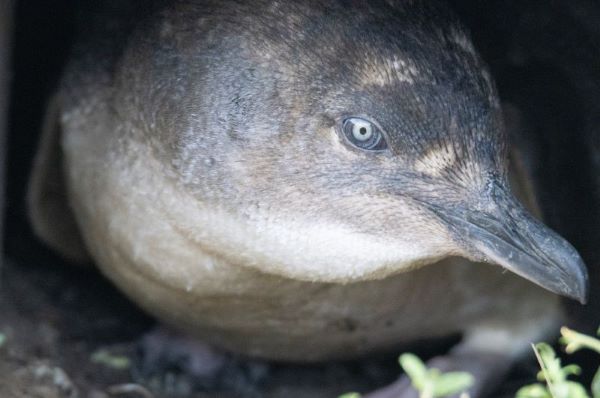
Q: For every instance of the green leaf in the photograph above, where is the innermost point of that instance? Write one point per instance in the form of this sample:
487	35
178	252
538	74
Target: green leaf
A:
556	376
415	369
596	385
350	395
569	370
533	391
118	362
551	368
575	341
575	390
452	383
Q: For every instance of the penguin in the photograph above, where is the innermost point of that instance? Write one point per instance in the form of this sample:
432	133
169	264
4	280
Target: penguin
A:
302	181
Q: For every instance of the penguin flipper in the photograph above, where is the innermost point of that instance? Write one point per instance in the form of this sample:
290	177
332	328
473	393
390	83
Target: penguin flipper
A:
48	206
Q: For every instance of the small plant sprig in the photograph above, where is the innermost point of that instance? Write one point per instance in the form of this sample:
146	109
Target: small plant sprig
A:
555	376
430	382
574	341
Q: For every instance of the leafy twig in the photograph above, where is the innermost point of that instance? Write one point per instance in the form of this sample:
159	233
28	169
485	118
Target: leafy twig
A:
575	341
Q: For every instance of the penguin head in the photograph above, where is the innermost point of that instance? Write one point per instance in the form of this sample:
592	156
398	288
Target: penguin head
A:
340	141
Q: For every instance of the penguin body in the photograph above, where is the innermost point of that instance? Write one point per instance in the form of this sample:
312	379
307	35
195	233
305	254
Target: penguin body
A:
305	181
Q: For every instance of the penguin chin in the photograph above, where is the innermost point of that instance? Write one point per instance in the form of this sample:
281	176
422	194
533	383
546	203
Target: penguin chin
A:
331	253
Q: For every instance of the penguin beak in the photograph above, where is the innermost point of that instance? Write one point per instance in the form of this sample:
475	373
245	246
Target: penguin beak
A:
506	234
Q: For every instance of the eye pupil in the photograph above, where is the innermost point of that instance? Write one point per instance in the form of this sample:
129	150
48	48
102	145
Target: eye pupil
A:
363	130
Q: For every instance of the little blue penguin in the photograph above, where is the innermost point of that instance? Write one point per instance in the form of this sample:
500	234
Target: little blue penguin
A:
302	181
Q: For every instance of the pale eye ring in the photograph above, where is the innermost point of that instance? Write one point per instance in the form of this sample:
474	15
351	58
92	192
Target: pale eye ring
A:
362	130
363	134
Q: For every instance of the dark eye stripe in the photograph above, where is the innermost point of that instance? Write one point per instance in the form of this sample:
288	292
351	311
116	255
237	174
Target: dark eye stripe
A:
355	125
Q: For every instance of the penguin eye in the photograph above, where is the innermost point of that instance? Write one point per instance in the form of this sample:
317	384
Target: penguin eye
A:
363	134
